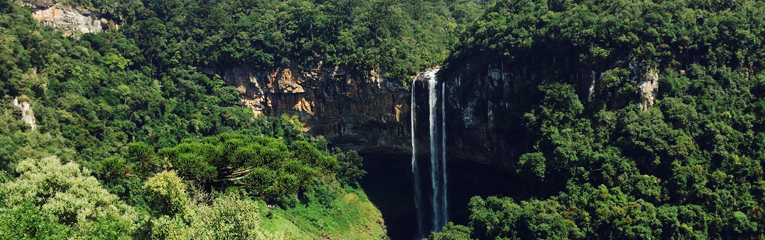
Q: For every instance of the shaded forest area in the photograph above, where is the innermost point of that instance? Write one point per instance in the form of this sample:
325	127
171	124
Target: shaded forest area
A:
597	164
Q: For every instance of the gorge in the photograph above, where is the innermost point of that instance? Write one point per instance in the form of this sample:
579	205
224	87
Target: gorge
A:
377	119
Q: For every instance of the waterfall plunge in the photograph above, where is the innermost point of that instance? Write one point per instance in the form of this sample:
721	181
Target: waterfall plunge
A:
434	164
438	168
415	169
444	204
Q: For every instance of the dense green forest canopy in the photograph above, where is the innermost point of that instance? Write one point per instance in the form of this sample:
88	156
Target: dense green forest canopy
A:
148	147
142	83
397	38
133	141
598	165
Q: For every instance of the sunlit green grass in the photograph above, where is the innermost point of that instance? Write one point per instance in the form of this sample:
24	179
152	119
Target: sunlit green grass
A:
350	216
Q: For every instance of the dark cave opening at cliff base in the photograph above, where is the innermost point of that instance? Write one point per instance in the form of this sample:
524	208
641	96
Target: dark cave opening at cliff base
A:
389	184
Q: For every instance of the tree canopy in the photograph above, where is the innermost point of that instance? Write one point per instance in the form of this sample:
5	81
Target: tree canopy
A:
148	146
597	160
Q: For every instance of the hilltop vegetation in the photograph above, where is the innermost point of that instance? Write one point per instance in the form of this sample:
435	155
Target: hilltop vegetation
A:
123	151
133	141
598	165
397	38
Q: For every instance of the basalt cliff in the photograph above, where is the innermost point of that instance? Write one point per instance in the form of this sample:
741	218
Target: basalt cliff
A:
485	116
365	113
371	113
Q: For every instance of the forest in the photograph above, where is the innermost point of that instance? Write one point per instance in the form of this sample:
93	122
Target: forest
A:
598	163
133	141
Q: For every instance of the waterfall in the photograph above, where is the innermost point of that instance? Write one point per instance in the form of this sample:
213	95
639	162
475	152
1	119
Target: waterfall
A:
415	169
444	204
438	199
432	100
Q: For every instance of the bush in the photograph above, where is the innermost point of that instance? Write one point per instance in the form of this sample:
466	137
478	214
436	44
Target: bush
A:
166	193
62	199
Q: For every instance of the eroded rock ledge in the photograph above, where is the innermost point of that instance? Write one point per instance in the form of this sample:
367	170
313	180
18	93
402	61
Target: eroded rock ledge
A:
71	20
369	114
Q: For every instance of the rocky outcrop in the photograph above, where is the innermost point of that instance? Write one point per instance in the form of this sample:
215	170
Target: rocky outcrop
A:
67	18
368	114
27	115
649	88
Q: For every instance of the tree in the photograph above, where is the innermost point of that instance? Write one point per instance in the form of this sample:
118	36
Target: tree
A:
141	154
451	232
166	193
228	217
53	198
350	164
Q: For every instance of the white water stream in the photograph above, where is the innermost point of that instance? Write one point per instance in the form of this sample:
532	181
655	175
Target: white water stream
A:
415	169
434	164
438	180
444	204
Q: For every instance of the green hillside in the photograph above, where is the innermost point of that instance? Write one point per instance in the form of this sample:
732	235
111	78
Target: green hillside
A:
598	163
626	119
121	151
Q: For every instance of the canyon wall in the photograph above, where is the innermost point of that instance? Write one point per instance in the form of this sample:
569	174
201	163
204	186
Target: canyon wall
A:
485	113
371	114
474	95
365	113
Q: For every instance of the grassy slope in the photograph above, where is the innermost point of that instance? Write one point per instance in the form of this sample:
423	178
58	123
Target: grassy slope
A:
352	217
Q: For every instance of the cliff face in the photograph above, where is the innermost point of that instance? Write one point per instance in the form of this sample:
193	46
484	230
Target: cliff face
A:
368	114
66	18
474	96
372	114
483	100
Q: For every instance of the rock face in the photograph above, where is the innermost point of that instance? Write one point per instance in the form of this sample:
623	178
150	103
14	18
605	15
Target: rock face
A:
479	98
66	18
649	88
27	115
369	114
473	99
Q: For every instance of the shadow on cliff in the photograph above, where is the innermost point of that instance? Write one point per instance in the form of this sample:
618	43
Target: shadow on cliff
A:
389	184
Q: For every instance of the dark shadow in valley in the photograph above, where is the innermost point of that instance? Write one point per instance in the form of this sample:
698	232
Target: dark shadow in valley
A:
389	184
